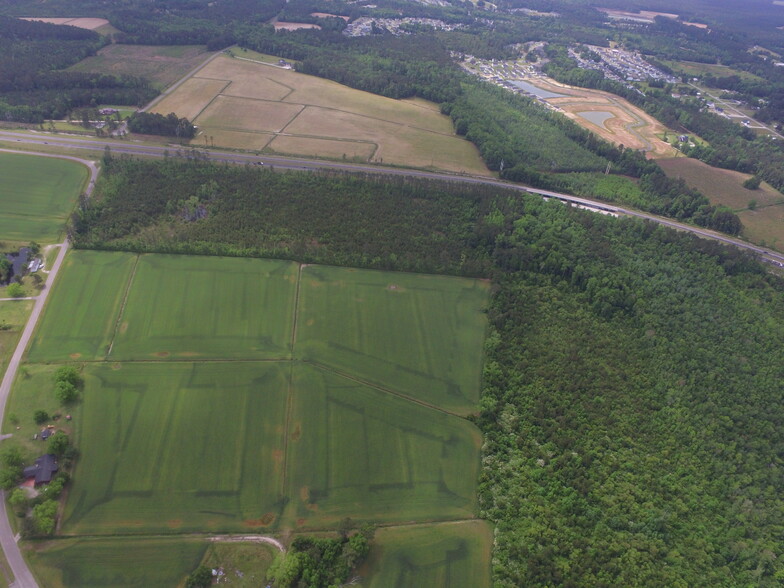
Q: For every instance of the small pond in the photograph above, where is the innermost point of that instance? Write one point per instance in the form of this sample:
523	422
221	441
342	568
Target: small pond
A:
597	117
531	89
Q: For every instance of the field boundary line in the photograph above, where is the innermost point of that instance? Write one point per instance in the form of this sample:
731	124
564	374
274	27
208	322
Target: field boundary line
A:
326	368
293	118
179	82
122	306
213	99
286	425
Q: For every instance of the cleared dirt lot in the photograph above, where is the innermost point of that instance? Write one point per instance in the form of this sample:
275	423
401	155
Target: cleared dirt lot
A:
629	125
245	104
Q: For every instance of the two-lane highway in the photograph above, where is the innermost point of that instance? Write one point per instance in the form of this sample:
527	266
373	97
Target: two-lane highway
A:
297	163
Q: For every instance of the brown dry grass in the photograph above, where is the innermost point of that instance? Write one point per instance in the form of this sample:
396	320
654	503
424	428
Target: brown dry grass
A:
295	26
331	148
190	98
316	117
243	114
722	186
162	65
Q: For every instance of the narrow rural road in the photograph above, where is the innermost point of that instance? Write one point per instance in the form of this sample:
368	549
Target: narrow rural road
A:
22	574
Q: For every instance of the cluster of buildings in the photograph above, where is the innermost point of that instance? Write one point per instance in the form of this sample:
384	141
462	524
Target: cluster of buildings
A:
366	25
622	66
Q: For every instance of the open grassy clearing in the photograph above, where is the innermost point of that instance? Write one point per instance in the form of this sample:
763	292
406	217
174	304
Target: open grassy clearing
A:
722	186
261	98
695	69
107	562
13	317
416	334
355	451
33	390
178	447
36	196
250	559
448	555
79	320
211	307
163	65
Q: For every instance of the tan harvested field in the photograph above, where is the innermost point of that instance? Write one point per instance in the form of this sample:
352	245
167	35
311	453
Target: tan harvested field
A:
722	186
241	104
162	65
244	114
82	23
331	148
252	141
629	126
193	96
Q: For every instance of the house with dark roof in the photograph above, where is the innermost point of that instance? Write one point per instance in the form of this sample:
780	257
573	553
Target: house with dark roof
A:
43	470
19	261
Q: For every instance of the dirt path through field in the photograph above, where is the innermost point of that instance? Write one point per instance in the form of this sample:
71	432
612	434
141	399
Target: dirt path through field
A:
250	539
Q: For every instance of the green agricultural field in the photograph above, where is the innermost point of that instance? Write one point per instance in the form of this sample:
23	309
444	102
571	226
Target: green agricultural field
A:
169	447
80	316
36	196
448	555
208	307
354	451
172	306
106	563
419	335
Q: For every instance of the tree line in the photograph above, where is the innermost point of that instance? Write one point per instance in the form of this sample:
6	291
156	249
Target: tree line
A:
632	433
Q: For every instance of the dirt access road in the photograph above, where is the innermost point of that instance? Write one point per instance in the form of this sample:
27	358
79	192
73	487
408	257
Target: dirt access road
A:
22	573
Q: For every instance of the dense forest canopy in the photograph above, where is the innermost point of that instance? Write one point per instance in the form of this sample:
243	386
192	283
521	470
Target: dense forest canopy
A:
631	399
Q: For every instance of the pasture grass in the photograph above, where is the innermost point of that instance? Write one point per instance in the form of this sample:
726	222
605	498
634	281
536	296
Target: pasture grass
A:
207	307
79	319
161	64
13	317
178	447
355	451
695	69
116	562
36	196
420	335
764	225
33	390
447	555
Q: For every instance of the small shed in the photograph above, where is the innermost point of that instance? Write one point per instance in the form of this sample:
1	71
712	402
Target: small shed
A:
43	470
46	433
